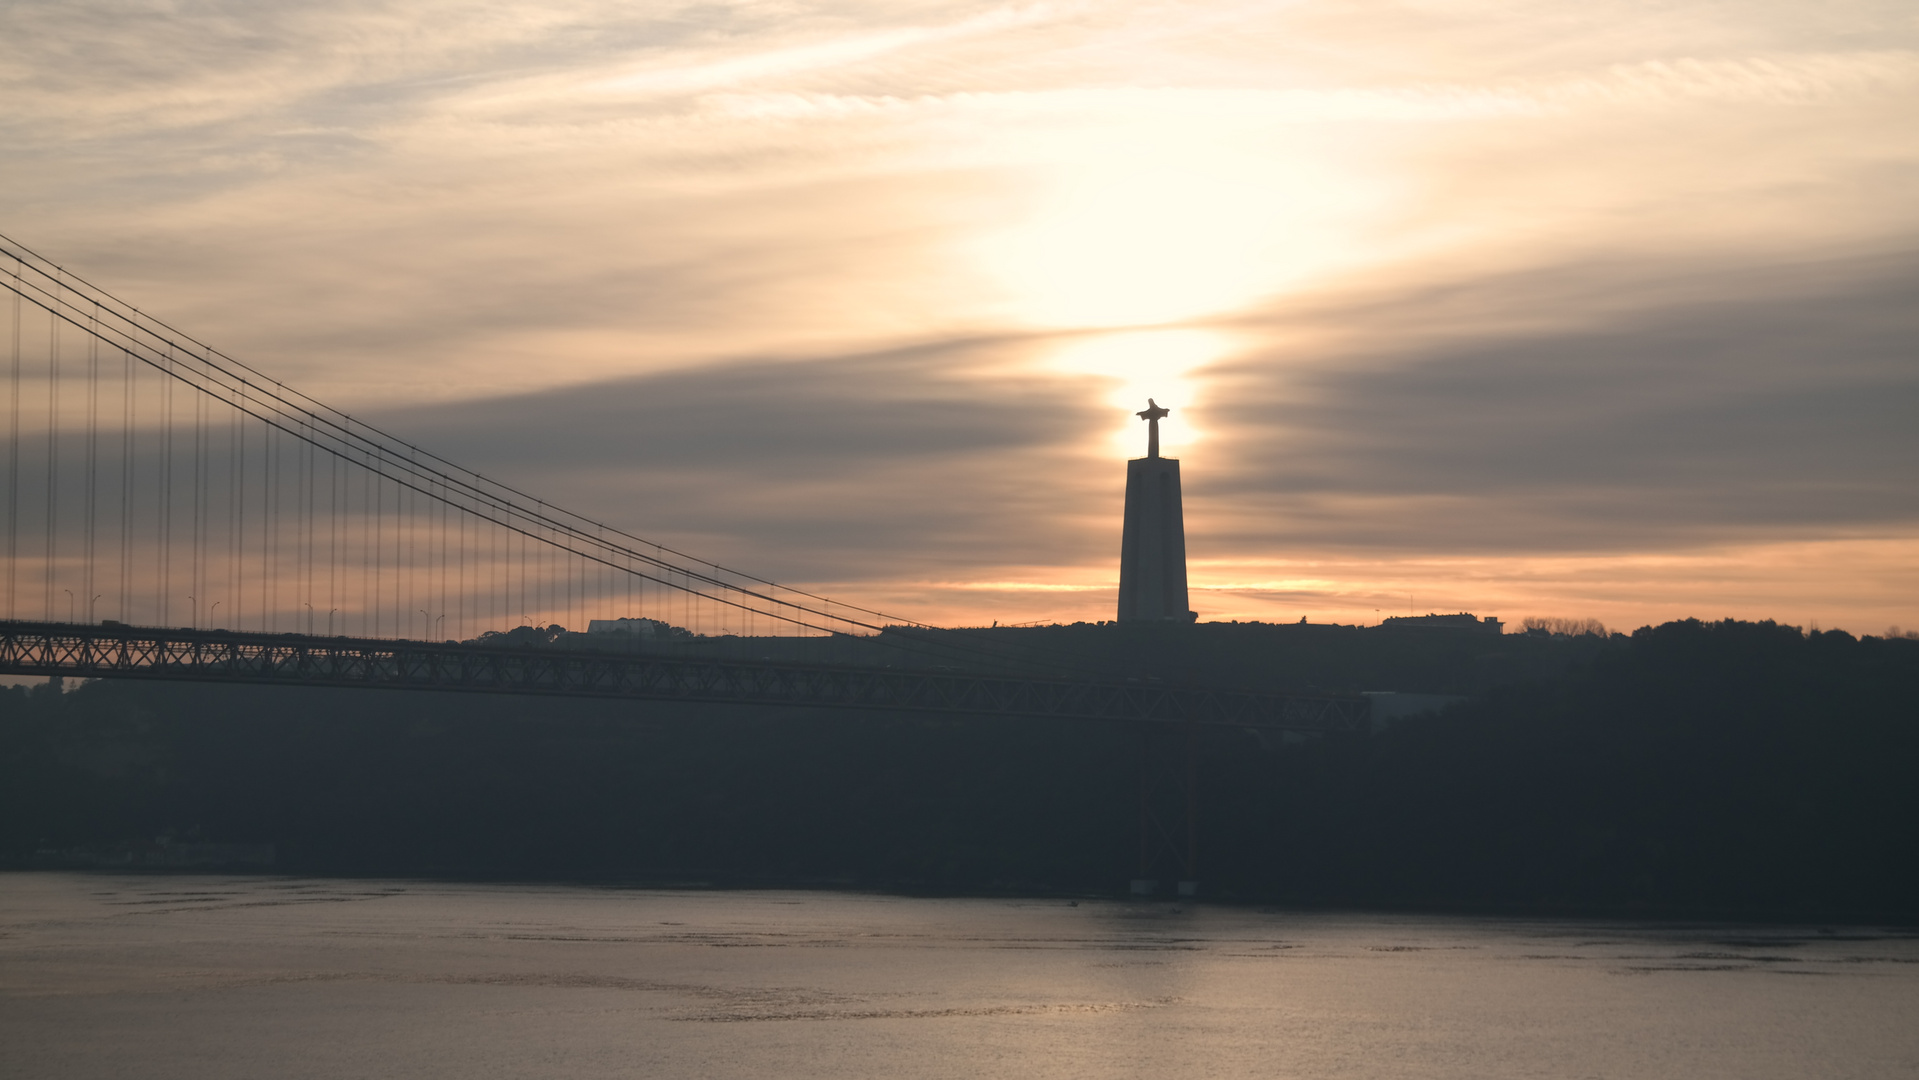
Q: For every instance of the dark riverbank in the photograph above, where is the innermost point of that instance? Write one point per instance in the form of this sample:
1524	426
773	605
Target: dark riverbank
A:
1730	770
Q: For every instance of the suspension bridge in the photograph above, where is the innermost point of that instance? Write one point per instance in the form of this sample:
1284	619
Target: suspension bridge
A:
174	513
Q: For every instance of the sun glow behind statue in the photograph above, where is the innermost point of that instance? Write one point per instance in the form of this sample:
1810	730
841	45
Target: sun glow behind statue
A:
1181	216
1133	365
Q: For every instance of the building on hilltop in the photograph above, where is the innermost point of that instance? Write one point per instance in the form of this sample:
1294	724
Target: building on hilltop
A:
1462	621
636	627
1152	551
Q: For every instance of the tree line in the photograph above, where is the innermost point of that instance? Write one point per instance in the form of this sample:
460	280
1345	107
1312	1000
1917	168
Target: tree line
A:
1731	768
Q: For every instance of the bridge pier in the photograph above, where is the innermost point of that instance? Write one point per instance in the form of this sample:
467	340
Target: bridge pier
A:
1168	809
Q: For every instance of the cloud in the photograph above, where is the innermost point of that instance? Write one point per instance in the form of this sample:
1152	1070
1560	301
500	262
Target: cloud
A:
897	463
1773	401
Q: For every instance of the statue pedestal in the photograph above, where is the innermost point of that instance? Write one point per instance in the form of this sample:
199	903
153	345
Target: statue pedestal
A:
1152	555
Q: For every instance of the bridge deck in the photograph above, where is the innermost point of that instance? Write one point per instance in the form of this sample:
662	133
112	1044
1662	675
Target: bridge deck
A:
129	652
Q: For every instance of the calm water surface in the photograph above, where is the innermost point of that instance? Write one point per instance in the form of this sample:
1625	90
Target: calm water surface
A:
270	977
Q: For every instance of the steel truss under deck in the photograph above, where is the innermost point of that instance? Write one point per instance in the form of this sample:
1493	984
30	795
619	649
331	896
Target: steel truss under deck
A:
130	652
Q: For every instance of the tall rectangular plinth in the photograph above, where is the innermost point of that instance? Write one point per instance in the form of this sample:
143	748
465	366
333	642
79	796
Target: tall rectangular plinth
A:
1152	552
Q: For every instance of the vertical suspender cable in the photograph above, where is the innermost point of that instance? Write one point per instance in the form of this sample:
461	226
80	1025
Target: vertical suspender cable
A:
203	515
403	559
197	578
298	518
127	414
93	456
459	581
436	565
269	580
166	496
332	540
53	457
234	609
379	514
270	533
303	536
311	547
440	571
13	455
307	484
240	513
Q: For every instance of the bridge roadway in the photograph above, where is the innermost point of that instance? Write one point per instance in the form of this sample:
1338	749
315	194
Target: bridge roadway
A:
118	651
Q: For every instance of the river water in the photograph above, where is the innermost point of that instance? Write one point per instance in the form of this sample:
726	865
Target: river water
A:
214	977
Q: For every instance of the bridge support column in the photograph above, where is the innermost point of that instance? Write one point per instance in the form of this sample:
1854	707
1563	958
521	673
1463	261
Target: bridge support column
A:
1168	808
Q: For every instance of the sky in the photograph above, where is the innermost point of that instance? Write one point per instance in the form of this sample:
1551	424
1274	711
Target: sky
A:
1605	310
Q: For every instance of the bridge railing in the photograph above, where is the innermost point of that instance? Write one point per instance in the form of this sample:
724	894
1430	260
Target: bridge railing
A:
128	652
